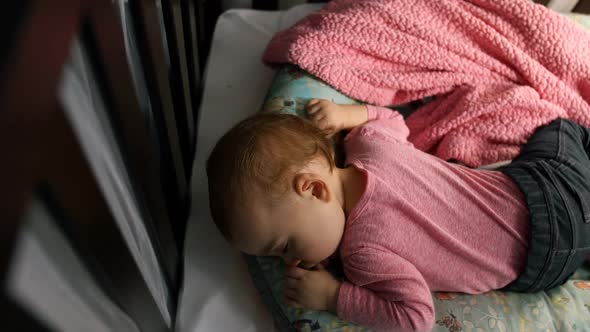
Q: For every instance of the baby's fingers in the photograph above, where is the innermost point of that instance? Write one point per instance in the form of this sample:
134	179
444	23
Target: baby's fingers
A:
316	117
291	283
290	292
314	108
313	102
291	302
325	125
291	296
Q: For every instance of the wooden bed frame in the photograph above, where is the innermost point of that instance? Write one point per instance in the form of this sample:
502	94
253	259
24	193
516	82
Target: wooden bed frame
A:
43	159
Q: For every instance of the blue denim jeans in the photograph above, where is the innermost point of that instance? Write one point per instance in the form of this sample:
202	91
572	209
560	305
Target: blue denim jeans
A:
553	171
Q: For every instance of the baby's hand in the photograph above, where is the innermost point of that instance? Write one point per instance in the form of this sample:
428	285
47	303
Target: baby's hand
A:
316	290
326	115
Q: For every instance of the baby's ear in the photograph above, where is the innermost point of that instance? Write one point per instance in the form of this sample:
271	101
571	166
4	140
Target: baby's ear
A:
310	185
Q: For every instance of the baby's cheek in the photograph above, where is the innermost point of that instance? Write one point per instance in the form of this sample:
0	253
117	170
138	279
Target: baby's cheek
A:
319	251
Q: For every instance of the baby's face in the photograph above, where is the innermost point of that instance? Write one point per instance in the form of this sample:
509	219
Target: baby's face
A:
302	230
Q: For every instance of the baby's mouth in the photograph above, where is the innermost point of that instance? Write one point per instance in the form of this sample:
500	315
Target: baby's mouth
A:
314	266
307	266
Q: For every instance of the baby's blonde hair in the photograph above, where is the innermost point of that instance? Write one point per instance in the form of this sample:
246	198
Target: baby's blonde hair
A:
263	151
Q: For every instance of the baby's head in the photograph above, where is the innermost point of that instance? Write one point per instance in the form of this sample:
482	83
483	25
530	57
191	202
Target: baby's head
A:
273	190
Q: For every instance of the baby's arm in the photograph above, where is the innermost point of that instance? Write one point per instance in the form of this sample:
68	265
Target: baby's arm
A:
332	118
386	293
354	116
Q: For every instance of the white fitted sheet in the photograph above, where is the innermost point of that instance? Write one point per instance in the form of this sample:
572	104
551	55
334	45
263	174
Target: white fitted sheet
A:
218	294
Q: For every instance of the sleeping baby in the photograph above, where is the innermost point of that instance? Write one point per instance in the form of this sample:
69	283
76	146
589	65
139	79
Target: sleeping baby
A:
402	222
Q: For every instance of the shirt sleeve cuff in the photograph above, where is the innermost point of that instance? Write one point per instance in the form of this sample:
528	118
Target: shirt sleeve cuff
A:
343	303
372	113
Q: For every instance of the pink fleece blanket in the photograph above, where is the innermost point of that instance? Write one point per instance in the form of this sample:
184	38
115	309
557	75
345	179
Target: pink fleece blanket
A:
499	68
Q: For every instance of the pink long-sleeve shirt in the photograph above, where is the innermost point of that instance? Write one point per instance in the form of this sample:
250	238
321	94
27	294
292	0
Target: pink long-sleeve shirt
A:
422	225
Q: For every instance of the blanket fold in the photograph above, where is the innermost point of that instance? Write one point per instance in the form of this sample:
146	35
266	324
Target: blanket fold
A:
499	68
